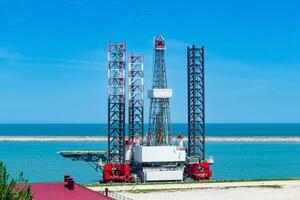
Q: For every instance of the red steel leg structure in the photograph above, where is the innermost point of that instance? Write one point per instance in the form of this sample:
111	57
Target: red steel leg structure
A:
197	168
116	169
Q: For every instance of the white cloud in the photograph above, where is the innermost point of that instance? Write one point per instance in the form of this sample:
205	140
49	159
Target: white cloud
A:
176	44
18	59
10	55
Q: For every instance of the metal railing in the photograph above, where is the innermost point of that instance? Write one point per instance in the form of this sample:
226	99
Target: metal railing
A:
118	196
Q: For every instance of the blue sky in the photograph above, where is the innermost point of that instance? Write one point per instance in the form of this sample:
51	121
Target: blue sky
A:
53	57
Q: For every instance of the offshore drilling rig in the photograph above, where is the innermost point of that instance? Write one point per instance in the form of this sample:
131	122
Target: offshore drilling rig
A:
157	156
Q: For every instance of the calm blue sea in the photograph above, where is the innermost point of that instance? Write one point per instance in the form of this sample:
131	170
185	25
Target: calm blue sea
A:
101	129
40	161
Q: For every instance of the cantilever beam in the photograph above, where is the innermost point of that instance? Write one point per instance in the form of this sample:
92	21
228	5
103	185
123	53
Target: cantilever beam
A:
93	158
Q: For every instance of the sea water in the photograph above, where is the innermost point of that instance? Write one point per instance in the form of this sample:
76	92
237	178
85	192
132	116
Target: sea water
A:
101	129
40	161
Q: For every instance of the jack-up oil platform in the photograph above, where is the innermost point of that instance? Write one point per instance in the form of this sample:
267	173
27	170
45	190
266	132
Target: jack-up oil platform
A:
158	156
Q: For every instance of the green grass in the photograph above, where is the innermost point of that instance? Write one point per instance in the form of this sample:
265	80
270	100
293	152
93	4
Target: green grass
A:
188	189
211	181
254	186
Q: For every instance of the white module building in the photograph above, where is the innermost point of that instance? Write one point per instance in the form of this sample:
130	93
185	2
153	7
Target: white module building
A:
160	163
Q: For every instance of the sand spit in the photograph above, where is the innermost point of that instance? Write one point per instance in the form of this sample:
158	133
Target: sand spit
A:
104	139
254	139
52	139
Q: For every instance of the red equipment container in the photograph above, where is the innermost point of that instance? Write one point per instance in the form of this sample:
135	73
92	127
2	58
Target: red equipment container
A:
116	173
199	171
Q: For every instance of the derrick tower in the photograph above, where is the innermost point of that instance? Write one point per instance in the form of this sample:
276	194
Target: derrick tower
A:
116	103
136	97
159	131
196	102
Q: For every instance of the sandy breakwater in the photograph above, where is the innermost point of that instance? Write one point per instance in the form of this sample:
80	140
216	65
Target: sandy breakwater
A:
103	139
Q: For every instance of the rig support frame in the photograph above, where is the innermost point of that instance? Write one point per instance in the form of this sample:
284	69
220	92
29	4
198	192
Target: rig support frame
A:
196	102
116	103
136	97
116	169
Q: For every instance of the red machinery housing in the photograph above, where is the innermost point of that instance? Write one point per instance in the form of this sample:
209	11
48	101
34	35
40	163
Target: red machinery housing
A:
116	173
199	171
159	42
